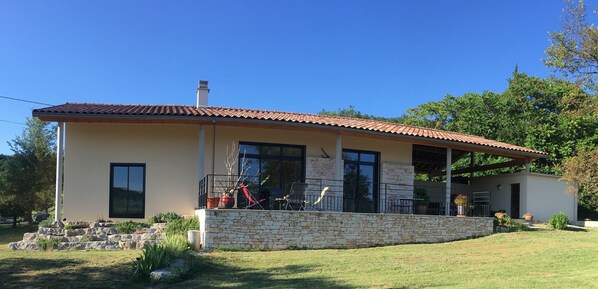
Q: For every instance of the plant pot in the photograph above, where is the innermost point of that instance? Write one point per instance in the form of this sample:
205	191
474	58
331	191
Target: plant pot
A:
528	218
213	203
227	202
421	209
461	211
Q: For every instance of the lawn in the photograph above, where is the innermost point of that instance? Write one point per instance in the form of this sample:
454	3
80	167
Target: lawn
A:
538	259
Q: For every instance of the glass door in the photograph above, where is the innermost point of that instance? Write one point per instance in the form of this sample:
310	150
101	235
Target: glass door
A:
360	181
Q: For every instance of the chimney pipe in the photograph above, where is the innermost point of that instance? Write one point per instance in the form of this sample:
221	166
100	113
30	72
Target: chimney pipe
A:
202	93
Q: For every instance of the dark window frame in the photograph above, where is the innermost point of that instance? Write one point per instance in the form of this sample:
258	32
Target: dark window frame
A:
376	164
112	214
261	156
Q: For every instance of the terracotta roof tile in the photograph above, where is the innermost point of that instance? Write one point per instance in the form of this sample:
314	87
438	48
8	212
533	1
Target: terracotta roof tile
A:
74	109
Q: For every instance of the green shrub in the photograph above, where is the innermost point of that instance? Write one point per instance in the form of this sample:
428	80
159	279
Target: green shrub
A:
558	221
46	244
518	226
152	258
165	217
128	227
502	219
175	246
181	226
45	223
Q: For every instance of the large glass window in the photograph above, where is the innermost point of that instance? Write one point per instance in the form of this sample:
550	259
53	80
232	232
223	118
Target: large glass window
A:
279	165
127	191
360	186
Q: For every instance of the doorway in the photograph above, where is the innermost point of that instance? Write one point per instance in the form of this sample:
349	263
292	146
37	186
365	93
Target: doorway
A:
515	201
360	181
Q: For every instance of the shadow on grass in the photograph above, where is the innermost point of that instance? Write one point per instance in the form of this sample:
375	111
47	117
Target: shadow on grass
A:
62	273
216	272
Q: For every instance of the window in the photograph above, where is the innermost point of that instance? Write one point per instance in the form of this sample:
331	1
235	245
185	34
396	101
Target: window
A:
127	191
282	165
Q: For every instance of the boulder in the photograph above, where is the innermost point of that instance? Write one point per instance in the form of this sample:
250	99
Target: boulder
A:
161	275
74	232
28	237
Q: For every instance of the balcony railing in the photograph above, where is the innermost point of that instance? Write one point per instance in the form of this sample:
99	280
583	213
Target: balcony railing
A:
390	199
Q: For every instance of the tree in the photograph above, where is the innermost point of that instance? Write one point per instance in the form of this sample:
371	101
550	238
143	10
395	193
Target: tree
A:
551	115
354	113
574	50
27	177
581	172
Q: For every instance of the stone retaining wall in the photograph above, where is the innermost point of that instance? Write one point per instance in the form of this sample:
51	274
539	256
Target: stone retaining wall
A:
277	230
91	235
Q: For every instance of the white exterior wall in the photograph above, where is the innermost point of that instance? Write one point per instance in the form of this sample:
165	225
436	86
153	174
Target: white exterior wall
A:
546	196
540	194
171	154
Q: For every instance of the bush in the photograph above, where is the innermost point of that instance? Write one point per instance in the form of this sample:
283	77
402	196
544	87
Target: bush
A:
128	227
518	226
502	219
181	226
152	258
165	217
558	221
45	223
175	246
46	244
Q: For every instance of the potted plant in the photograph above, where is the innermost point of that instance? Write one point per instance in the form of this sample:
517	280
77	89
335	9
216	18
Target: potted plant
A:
528	216
421	201
231	182
461	201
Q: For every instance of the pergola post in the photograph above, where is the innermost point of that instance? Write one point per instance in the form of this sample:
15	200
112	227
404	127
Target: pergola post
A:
449	160
59	160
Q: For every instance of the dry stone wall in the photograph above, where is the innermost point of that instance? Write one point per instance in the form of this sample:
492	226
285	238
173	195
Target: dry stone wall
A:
278	230
92	235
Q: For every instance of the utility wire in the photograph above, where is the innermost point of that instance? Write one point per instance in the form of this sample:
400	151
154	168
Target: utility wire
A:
14	122
24	100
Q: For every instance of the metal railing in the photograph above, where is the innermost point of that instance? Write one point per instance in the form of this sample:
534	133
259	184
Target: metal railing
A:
390	199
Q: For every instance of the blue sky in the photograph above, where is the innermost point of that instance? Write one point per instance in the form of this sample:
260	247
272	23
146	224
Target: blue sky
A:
304	56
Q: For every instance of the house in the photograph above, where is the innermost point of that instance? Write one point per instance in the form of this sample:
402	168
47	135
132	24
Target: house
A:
133	161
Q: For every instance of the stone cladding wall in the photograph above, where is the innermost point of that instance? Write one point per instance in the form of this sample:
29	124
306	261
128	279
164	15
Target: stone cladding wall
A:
320	173
397	183
278	230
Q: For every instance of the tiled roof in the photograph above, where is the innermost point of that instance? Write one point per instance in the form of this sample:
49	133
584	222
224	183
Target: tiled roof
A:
158	111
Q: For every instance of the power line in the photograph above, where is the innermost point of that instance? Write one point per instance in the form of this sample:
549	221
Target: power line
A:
24	100
13	122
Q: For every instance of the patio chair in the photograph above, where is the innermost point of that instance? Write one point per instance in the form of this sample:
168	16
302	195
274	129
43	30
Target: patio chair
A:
312	206
295	200
252	202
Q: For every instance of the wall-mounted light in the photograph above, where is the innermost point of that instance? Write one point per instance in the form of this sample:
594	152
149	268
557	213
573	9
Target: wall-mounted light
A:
498	187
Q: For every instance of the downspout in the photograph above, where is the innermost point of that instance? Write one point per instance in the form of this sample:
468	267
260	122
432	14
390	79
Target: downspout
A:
59	164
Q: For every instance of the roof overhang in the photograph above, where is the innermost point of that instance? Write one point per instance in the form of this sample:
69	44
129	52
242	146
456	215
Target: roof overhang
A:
277	124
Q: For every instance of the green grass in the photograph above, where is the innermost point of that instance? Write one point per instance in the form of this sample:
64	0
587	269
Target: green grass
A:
533	259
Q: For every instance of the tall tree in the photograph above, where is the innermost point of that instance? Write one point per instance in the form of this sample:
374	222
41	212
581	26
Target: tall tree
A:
574	50
27	178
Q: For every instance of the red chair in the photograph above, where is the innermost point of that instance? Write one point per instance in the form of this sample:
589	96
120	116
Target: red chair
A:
252	201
